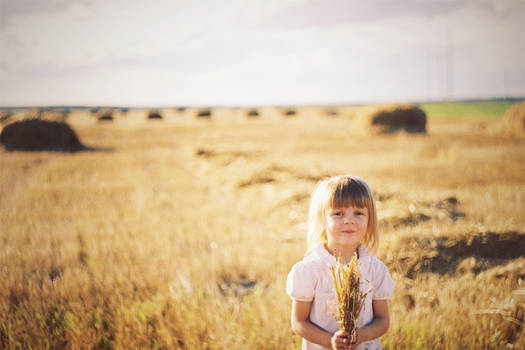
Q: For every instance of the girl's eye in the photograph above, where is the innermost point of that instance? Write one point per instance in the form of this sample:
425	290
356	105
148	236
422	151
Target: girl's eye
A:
359	213
338	213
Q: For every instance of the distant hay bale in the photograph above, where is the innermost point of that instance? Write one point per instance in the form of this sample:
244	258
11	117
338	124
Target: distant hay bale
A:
154	115
514	118
387	119
204	113
105	115
181	109
289	113
40	135
331	112
252	113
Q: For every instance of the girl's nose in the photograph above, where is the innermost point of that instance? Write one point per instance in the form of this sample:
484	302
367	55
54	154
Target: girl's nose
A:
349	219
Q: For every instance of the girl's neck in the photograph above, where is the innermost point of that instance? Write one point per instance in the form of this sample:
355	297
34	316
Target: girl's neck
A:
344	253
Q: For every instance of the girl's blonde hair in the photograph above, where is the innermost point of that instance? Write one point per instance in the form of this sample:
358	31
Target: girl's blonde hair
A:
339	192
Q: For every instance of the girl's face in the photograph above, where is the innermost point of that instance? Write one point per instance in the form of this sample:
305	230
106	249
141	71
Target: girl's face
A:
346	227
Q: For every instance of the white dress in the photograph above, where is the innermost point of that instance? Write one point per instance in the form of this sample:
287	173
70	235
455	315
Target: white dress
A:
311	280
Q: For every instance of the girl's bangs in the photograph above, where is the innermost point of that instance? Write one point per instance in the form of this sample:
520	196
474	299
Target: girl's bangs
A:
349	193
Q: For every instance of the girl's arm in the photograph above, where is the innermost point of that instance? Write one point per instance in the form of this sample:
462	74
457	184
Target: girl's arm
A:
379	325
302	326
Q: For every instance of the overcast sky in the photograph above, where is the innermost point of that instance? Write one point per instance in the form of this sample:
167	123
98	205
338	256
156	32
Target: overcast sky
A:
250	52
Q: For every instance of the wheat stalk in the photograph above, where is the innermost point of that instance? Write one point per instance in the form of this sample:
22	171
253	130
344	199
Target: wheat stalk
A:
350	298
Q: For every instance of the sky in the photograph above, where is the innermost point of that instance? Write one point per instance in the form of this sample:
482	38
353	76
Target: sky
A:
251	52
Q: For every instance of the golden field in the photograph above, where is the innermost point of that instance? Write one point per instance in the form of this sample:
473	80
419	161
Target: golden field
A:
179	233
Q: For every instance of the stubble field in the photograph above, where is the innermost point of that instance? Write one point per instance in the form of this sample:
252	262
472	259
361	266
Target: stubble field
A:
179	233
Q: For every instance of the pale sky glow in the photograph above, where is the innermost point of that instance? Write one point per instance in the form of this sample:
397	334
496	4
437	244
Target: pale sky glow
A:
237	52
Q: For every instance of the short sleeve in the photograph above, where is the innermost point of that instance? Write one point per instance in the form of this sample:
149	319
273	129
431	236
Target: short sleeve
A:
300	284
383	286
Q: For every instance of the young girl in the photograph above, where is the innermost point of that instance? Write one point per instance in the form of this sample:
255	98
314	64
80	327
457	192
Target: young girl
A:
342	220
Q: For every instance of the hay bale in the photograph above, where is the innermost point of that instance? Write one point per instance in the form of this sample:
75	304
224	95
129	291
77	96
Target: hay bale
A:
105	115
252	113
154	115
289	113
204	113
331	112
40	135
181	109
386	119
514	118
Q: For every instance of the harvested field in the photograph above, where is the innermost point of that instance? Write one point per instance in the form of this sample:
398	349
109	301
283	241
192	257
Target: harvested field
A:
182	236
5	116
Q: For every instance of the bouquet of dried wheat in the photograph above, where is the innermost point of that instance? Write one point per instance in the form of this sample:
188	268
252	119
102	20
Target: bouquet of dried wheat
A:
350	298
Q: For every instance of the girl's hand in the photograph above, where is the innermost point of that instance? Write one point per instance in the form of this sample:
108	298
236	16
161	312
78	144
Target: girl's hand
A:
341	341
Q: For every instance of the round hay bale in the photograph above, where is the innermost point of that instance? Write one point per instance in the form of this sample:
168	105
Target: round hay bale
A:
331	112
289	113
154	115
514	118
387	119
39	135
252	113
204	113
104	116
181	109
